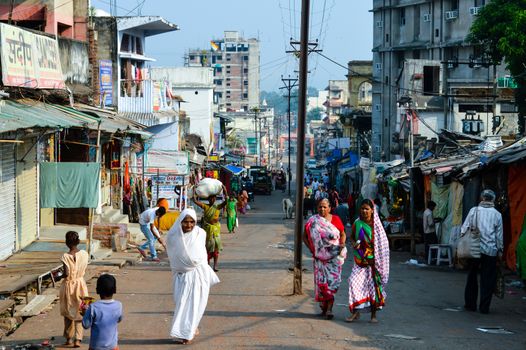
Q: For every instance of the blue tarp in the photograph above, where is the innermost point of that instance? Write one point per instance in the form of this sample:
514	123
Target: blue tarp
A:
234	169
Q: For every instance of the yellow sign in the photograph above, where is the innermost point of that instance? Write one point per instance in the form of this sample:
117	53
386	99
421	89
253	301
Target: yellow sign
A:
29	60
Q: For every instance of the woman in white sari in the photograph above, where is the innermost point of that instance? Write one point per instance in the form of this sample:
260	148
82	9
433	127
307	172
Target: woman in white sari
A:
192	276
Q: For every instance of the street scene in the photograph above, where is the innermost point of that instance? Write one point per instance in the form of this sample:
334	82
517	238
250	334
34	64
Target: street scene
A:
295	174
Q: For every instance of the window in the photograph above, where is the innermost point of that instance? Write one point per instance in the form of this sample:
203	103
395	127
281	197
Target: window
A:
480	3
402	16
245	82
245	70
245	96
218	82
227	84
125	43
218	69
437	33
386	79
245	58
191	57
386	38
454	5
227	79
219	57
228	72
431	80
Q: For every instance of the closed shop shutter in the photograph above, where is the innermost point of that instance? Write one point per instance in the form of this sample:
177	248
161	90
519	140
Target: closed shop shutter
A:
26	194
7	200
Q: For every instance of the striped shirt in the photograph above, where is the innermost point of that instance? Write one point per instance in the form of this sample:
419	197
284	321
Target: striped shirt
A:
489	223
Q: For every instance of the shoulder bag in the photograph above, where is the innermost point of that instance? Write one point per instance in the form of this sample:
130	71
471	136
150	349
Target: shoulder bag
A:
468	246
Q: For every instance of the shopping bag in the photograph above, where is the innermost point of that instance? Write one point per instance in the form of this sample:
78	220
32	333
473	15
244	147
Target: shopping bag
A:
237	222
500	286
468	246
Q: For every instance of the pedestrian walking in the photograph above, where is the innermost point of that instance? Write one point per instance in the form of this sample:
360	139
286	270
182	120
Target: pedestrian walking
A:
370	272
212	226
488	222
324	235
103	316
72	289
192	276
231	213
152	234
342	210
430	236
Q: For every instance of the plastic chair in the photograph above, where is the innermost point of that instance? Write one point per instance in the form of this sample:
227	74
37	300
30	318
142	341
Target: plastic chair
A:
440	249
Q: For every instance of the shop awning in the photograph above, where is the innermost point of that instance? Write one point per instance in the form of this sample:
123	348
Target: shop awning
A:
24	114
233	169
112	122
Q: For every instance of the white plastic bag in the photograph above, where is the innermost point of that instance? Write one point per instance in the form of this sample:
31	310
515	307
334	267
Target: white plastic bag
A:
208	187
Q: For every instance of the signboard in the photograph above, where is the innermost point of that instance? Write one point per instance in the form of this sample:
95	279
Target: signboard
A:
29	60
176	162
339	143
156	96
165	185
106	83
365	163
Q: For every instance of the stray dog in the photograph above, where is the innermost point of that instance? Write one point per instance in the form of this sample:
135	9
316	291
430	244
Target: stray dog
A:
288	208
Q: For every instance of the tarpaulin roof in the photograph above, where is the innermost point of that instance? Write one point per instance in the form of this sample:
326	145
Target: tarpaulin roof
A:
234	169
23	114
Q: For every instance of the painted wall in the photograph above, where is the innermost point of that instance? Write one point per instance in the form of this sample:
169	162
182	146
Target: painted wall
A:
74	61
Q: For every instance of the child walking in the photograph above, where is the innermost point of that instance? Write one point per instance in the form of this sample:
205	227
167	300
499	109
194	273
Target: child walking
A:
103	316
72	289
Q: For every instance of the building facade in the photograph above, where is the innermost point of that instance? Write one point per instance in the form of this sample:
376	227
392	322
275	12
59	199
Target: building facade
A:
236	65
420	53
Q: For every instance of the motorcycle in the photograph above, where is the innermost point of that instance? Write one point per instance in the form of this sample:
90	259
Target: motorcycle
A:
248	186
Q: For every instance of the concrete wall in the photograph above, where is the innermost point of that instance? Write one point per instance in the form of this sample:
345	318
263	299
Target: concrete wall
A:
103	46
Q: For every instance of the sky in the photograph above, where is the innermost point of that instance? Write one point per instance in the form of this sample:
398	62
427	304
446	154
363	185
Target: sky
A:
344	29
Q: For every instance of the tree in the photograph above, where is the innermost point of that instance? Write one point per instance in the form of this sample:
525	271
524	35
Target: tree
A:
314	114
500	30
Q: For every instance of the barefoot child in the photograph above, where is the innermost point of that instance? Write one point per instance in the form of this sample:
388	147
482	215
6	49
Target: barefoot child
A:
102	316
72	289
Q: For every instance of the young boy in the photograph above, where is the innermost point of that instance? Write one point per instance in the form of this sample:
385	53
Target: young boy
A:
102	316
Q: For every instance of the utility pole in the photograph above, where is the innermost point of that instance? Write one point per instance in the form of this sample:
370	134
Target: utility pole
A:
289	84
300	158
256	110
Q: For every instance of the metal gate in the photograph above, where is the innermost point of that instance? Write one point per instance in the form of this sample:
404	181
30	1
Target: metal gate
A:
26	193
7	200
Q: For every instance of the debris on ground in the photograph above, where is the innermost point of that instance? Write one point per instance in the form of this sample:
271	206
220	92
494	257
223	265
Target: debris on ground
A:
494	330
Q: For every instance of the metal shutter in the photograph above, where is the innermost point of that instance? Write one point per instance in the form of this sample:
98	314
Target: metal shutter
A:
7	200
26	189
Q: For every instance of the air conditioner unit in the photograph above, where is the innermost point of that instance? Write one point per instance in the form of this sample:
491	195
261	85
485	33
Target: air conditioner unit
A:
427	17
379	24
474	10
451	15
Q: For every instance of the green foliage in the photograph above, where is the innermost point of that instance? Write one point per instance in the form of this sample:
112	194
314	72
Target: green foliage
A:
278	100
314	114
500	29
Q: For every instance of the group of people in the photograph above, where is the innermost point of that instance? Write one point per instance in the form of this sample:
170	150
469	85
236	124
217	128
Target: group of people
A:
192	277
325	237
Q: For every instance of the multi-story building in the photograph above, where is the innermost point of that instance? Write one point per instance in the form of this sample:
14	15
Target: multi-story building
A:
421	54
236	70
338	97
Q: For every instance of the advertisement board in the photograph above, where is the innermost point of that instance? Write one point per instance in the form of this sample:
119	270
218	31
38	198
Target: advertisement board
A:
176	162
29	60
106	82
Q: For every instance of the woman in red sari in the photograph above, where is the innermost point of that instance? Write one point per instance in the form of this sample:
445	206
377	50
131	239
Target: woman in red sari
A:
325	237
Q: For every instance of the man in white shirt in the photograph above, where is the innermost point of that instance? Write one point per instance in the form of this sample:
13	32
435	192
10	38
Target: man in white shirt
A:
147	223
315	185
430	236
489	223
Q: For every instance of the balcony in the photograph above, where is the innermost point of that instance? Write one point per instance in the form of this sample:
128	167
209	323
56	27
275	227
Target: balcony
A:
144	96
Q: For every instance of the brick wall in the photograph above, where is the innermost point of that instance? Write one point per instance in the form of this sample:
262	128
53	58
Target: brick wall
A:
104	232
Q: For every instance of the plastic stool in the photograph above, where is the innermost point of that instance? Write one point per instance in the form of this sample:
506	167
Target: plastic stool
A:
440	248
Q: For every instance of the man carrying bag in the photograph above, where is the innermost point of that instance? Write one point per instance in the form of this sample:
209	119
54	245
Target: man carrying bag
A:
487	222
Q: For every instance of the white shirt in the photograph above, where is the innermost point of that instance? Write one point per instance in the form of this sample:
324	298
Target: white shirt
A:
429	222
148	216
489	223
315	185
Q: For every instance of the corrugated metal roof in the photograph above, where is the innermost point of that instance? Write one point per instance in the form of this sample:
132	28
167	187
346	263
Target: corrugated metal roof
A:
22	114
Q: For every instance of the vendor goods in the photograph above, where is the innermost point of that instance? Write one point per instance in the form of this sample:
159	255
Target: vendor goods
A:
208	187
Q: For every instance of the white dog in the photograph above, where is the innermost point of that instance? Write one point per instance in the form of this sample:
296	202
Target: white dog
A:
288	208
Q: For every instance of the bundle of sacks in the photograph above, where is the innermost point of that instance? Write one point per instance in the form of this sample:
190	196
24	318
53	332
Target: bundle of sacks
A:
208	187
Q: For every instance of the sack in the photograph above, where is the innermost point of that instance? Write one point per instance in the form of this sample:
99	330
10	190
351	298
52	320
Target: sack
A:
208	187
468	246
500	286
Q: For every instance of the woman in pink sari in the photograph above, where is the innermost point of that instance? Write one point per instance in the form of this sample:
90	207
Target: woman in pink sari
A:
325	237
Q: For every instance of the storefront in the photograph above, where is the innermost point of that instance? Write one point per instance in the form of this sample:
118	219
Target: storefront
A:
7	200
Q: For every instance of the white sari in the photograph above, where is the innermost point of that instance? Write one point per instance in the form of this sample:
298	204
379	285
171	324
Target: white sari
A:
192	276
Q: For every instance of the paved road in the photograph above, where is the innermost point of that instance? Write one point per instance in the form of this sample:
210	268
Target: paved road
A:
252	307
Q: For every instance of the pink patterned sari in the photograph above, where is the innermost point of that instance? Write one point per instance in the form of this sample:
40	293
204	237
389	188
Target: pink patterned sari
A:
324	240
